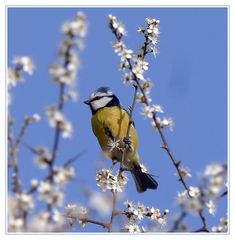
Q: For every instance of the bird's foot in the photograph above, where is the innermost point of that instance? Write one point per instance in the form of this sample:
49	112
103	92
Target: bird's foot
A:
128	142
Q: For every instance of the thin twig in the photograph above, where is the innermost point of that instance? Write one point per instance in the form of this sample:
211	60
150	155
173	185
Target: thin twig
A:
13	156
113	211
178	221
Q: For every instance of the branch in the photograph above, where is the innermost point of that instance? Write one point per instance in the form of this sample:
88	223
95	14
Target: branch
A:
178	221
110	225
158	126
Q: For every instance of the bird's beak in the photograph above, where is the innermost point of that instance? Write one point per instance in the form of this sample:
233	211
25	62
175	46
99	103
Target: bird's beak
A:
87	101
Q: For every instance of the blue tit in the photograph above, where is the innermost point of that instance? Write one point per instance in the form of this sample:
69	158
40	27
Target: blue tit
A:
109	124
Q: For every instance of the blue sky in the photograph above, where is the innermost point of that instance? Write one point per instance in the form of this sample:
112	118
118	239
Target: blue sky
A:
190	78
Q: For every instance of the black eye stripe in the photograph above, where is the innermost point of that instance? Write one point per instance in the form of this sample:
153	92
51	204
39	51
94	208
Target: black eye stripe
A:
99	97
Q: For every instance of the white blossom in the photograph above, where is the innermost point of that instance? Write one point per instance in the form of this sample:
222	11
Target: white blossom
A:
16	224
193	205
182	197
147	111
222	227
43	157
213	170
34	182
57	119
107	181
25	201
139	210
63	174
75	211
77	26
185	172
36	117
158	108
113	144
41	223
50	194
132	228
194	192
26	63
117	26
58	217
211	207
14	77
155	213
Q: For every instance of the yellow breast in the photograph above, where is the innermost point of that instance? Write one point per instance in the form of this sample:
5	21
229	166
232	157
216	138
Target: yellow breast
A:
116	119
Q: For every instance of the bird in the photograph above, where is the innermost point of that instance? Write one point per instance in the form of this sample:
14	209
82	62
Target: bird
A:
110	124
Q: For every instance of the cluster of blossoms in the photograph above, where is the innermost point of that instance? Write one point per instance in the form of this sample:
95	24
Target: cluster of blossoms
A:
15	74
107	181
64	71
222	227
134	66
50	193
57	120
43	157
215	178
136	212
76	214
205	196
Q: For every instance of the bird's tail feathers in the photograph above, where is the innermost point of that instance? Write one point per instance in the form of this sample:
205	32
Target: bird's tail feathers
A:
143	181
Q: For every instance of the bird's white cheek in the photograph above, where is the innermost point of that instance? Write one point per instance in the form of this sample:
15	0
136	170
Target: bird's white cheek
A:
100	103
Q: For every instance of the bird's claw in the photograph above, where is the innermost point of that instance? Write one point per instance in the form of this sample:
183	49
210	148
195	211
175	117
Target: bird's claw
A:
128	142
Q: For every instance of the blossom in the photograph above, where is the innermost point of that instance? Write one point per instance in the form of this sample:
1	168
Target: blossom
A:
36	117
16	224
63	76
14	77
75	211
132	228
147	111
25	201
34	183
194	192
43	157
50	194
113	144
41	223
211	207
182	197
213	170
139	210
154	51
215	176
222	227
155	213
26	63
63	174
117	26
127	78
119	47
158	108
106	180
77	26
139	68
185	172
58	217
57	119
193	205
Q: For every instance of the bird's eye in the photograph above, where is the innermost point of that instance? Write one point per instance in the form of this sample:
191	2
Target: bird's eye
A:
96	98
